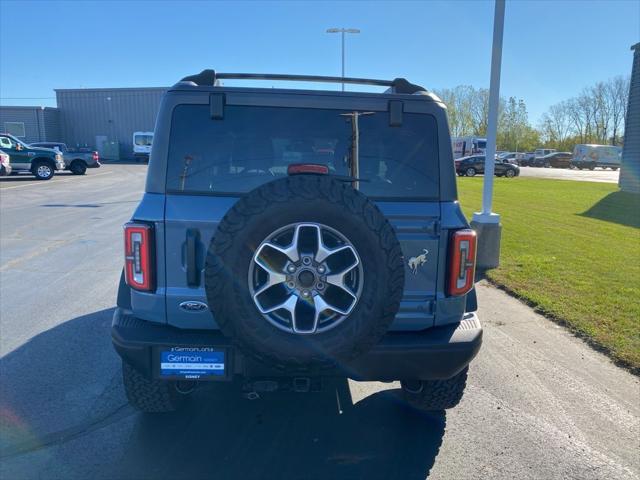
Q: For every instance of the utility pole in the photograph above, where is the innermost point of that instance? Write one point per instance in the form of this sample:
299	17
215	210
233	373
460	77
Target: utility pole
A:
342	31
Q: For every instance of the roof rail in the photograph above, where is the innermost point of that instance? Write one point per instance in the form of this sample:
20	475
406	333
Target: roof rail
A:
210	77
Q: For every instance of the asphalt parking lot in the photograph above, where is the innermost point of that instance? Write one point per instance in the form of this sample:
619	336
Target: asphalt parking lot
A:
539	403
597	175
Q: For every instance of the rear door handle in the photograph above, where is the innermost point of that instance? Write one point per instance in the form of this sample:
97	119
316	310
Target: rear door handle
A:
193	273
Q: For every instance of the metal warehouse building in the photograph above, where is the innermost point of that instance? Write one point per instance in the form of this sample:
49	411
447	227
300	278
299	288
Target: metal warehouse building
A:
31	124
104	118
630	169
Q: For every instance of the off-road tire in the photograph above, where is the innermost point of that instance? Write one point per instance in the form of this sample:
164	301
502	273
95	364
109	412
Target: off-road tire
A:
78	167
433	395
150	396
295	199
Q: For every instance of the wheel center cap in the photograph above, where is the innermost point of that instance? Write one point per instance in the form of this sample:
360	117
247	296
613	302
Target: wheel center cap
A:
306	278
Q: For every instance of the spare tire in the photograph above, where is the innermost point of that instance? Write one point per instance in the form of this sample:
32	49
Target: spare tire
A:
304	272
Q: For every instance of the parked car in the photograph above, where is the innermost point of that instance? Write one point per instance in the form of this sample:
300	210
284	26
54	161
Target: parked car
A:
75	160
5	164
254	257
554	160
142	142
470	166
511	157
530	157
41	162
592	156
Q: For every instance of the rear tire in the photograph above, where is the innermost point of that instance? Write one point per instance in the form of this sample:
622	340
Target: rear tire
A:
430	395
470	172
510	173
78	167
150	396
43	170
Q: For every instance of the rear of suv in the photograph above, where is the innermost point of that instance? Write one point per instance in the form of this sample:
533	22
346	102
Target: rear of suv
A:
286	236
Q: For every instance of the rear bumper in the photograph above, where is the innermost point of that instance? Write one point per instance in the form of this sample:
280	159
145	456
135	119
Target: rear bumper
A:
437	353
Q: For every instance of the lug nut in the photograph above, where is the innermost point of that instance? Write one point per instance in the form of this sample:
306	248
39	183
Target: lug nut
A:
291	284
306	260
321	269
305	293
320	286
291	268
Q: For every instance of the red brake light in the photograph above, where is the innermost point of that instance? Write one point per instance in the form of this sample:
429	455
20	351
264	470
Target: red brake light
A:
317	168
96	157
138	264
462	262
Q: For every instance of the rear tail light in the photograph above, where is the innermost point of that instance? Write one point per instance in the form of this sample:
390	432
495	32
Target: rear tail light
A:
462	261
138	258
95	156
298	168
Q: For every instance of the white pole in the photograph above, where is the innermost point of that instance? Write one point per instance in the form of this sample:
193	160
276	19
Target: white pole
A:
486	215
343	58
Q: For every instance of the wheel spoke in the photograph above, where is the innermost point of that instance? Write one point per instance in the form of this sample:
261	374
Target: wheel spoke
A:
289	305
275	278
291	252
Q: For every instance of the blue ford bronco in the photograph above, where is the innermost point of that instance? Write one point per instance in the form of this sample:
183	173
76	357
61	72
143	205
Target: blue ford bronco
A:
287	236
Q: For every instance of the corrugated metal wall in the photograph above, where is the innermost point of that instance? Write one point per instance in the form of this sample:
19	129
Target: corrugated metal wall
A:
112	113
51	122
630	170
41	124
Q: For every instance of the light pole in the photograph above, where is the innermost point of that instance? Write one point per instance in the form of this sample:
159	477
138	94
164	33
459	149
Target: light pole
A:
486	222
343	31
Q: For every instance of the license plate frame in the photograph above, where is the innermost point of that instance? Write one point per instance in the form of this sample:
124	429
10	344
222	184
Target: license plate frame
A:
202	363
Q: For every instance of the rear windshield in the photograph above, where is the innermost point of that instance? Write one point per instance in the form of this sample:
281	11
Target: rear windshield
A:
144	140
255	145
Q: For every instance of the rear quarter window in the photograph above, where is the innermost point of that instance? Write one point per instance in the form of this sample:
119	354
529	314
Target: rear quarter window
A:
254	145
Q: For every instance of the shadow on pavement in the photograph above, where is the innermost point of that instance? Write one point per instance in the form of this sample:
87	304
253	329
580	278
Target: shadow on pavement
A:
286	436
617	207
64	385
58	383
30	178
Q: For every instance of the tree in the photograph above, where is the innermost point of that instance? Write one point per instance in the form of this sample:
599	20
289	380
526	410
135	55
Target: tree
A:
513	122
555	126
618	93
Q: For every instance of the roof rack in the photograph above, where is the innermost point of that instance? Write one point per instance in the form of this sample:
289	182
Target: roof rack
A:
210	77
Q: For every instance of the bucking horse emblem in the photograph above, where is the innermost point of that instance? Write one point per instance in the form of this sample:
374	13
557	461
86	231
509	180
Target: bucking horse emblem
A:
415	262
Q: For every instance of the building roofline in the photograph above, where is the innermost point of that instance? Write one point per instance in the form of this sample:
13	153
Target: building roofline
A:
28	107
120	89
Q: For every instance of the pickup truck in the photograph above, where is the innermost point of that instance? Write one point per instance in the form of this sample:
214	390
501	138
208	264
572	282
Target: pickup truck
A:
41	162
75	160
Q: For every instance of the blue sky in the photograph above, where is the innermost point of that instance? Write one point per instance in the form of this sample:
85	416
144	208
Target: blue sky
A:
551	49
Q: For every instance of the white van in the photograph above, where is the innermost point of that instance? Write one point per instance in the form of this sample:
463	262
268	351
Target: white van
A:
142	145
465	146
592	156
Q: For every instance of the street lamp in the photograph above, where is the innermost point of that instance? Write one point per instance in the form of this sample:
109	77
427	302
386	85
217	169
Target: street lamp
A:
343	31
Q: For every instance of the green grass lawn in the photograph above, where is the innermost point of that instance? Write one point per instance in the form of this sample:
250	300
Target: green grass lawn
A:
571	249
